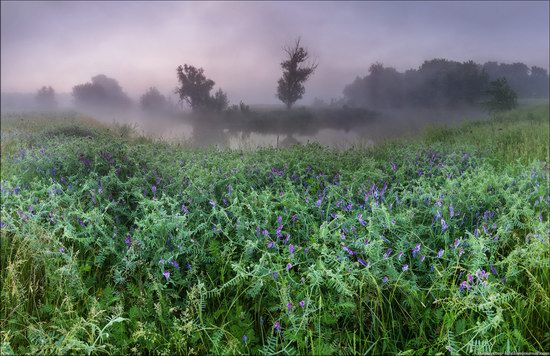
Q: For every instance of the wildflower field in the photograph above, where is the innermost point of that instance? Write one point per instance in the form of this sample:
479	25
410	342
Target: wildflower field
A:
114	243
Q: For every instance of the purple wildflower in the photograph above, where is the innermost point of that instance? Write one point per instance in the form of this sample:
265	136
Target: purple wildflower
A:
361	261
275	275
289	307
470	278
287	237
265	232
385	280
162	261
422	258
464	285
279	219
494	270
318	202
460	252
451	211
62	250
270	244
244	338
388	253
175	264
444	225
128	240
405	267
485	228
476	232
277	326
278	232
288	266
154	190
361	221
166	274
212	202
350	252
302	303
81	223
481	274
294	217
291	249
400	255
366	242
184	209
456	243
416	249
440	253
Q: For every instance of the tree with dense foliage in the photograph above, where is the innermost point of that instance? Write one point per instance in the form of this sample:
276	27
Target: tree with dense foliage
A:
540	85
442	83
295	73
502	97
195	87
103	94
219	101
153	101
45	98
526	82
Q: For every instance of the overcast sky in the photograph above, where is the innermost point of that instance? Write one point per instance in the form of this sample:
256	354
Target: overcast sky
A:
239	44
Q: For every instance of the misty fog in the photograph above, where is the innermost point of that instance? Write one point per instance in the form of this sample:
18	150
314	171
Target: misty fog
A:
120	63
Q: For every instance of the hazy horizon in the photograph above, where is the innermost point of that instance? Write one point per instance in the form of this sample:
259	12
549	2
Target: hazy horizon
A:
239	44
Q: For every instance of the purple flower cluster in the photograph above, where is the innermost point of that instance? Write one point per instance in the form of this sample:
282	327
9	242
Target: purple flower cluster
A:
416	249
482	277
128	240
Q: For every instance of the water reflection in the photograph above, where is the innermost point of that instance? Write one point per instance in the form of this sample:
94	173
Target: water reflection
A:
334	133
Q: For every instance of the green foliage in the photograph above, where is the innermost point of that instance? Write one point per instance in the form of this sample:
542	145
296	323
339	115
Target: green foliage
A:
118	245
502	97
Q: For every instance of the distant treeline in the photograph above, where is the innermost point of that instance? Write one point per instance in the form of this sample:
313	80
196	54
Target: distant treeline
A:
441	83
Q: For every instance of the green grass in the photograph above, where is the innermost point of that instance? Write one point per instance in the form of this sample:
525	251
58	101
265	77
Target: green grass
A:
114	243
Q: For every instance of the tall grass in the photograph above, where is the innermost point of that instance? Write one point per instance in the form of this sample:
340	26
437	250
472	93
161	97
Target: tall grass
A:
118	245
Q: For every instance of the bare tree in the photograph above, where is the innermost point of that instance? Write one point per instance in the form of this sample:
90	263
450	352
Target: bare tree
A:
295	72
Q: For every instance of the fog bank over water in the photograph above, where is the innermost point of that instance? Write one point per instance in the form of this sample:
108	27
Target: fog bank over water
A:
381	126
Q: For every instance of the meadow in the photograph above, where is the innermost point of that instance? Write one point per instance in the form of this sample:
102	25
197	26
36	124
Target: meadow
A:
114	243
